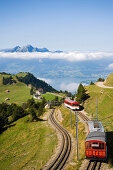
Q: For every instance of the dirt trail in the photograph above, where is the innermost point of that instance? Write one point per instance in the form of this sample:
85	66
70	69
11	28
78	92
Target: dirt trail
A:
101	84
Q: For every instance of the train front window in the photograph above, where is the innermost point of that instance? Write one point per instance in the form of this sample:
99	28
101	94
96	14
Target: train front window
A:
96	145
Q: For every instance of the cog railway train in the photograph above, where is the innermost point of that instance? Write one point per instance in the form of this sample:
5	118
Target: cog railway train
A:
96	143
71	104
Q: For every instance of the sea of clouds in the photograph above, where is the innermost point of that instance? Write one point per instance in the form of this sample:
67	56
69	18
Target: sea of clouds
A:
70	56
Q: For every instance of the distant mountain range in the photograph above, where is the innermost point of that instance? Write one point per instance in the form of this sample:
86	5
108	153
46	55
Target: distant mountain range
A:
28	48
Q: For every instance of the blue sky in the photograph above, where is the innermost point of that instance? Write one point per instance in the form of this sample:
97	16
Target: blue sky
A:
82	25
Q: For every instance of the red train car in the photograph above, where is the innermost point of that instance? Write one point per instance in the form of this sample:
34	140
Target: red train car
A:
71	104
95	146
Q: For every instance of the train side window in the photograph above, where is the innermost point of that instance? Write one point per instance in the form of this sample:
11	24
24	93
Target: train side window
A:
88	145
101	145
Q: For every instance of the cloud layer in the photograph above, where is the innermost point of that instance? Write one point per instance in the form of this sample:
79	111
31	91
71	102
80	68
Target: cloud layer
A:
70	56
110	66
72	87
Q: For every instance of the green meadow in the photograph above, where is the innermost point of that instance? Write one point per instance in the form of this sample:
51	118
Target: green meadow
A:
49	96
18	93
105	104
26	145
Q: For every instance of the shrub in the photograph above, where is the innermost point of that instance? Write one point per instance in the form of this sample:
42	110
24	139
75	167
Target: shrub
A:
101	79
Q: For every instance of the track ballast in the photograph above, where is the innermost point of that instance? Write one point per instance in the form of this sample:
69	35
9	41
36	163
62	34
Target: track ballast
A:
65	149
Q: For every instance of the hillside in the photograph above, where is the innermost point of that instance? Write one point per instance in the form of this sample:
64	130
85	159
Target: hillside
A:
16	90
109	80
15	93
31	145
105	104
31	79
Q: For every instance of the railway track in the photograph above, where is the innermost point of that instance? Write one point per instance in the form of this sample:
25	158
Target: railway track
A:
65	149
93	165
85	118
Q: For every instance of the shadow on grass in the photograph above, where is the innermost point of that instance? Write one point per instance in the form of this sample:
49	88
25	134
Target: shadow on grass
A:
41	119
35	120
5	128
110	147
81	108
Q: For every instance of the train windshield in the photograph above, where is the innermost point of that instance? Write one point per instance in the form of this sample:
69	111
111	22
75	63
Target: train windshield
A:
75	104
96	145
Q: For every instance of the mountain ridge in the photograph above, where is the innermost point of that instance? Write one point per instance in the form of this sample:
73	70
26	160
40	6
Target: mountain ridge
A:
28	48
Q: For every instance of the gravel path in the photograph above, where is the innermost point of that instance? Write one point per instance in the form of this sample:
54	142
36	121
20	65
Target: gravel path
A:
101	84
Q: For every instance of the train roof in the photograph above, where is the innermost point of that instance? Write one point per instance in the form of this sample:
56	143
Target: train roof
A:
71	101
99	136
95	126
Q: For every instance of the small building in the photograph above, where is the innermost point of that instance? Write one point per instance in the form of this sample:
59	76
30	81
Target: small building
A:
37	92
36	96
40	91
48	105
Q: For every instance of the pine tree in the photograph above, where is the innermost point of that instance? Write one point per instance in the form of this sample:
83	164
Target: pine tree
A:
81	94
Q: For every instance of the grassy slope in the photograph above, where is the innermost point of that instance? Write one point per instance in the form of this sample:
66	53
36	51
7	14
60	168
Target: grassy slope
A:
26	145
109	80
82	135
21	74
18	94
105	104
49	96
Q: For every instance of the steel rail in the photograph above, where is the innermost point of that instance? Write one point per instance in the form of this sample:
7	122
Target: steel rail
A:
65	150
93	165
